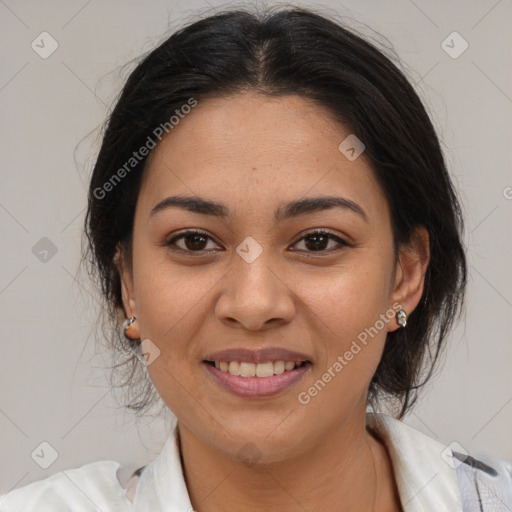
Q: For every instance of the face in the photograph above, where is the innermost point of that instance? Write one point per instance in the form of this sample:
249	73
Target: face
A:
262	281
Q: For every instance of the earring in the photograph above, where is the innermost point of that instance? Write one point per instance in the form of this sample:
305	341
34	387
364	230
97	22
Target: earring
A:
401	318
129	329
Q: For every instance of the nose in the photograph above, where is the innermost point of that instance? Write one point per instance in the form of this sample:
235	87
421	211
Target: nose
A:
255	296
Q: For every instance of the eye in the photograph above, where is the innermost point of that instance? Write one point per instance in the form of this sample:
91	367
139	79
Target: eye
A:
317	241
193	241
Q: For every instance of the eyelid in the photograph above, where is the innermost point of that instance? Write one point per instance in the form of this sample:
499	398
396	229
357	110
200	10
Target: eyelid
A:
322	231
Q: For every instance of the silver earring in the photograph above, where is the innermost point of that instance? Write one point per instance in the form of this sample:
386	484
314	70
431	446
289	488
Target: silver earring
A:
129	330
401	318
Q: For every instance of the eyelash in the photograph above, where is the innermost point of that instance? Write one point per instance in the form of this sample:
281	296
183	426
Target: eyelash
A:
324	232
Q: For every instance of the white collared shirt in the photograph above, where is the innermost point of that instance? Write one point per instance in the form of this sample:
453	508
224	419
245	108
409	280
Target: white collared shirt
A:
424	470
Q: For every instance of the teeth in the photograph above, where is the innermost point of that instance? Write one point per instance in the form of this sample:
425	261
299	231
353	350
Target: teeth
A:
255	370
247	369
234	367
279	367
265	369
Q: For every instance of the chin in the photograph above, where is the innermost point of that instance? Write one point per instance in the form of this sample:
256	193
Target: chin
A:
259	448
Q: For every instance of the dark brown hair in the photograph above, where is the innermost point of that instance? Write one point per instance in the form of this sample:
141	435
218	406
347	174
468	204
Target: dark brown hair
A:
276	53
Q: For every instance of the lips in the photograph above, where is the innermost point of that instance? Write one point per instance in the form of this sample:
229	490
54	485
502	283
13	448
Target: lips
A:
256	373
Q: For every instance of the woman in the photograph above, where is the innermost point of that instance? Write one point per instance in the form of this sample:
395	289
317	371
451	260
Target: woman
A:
271	213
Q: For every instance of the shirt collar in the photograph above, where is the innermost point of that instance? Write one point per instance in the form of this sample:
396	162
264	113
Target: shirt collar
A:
424	479
161	486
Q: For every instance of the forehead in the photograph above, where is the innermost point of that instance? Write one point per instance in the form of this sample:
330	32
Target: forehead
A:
256	151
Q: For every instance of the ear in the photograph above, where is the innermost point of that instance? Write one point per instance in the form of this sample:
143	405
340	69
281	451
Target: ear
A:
411	267
127	289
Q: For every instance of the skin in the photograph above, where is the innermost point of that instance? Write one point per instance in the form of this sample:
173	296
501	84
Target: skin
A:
253	154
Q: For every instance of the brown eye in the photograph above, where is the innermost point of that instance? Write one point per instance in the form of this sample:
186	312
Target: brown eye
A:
192	241
318	241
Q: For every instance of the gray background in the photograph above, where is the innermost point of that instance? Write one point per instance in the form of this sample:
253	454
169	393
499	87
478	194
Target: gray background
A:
53	381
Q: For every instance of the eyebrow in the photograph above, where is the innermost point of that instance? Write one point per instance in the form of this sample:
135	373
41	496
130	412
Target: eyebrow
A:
286	211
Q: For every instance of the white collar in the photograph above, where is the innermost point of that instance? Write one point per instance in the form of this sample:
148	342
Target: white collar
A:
425	481
161	486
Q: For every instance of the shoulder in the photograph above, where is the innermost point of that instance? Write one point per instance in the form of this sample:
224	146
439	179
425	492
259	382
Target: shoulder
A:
90	487
455	478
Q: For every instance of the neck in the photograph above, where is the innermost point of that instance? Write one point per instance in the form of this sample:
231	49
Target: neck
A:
339	473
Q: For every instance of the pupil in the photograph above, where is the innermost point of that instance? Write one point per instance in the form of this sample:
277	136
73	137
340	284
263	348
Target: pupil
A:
316	245
195	241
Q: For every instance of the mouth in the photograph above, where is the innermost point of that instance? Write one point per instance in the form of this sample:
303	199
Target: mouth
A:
261	370
256	380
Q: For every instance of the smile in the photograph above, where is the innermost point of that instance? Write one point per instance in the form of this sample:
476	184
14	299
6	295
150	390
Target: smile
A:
256	380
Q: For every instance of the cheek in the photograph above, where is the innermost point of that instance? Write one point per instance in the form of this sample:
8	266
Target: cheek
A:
348	297
170	298
171	315
349	311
